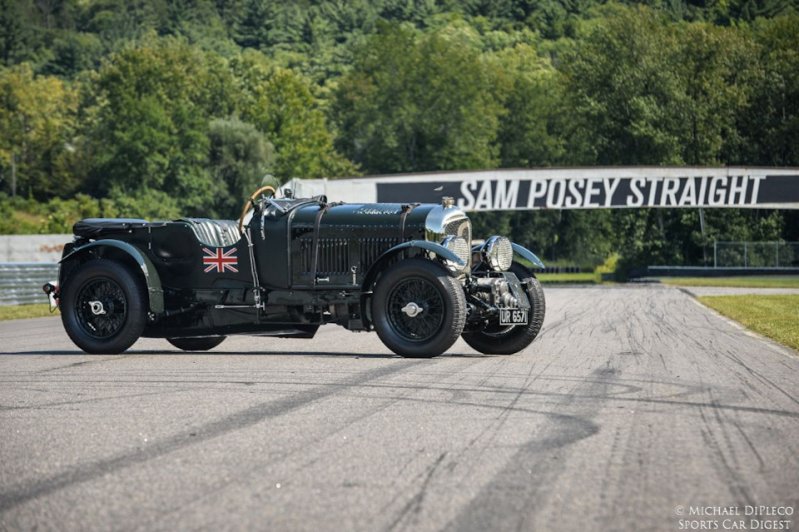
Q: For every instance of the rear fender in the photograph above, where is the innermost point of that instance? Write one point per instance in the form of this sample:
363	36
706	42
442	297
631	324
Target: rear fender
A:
118	249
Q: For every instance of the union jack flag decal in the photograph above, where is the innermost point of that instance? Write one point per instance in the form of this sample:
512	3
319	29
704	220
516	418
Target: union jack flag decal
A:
220	260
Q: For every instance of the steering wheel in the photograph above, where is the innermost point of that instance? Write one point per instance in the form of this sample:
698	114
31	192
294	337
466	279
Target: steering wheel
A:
251	202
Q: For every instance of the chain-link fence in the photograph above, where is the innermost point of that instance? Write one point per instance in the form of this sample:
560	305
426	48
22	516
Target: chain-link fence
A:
755	254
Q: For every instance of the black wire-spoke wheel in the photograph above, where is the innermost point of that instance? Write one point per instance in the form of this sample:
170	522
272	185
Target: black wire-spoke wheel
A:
103	306
496	339
415	309
418	308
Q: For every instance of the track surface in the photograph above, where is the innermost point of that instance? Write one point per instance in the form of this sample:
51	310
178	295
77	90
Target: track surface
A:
634	401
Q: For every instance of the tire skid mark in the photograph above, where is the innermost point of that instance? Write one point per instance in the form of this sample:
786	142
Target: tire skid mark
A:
413	507
734	481
496	425
530	470
45	406
237	421
281	457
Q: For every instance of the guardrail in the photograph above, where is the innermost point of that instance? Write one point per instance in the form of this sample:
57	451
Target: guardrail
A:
21	282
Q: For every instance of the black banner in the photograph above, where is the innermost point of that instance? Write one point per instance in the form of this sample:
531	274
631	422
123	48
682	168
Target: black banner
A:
575	192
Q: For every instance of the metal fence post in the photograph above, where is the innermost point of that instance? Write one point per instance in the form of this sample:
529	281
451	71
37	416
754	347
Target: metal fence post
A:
746	256
776	254
715	253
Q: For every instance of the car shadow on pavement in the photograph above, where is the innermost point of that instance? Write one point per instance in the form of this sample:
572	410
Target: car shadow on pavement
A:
157	352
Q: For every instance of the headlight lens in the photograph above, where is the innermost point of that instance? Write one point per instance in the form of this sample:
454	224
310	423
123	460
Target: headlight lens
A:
460	247
498	253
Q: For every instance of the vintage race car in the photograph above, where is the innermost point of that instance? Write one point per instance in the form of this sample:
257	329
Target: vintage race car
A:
289	265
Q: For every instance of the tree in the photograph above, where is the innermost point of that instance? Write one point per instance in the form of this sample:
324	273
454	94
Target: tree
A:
239	157
280	104
37	121
623	85
153	111
531	130
416	101
770	124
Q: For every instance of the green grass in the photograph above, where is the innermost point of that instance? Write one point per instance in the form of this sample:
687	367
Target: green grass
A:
763	281
19	312
581	278
773	316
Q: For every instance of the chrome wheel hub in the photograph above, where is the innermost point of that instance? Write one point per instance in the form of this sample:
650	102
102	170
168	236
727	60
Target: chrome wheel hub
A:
97	307
412	310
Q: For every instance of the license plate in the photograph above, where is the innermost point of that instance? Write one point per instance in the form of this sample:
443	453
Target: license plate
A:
513	316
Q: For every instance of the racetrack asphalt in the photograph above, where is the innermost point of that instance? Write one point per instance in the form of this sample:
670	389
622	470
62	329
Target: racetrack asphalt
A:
634	409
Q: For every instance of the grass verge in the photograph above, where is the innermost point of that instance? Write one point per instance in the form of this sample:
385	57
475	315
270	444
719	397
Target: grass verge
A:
19	312
755	281
580	278
774	316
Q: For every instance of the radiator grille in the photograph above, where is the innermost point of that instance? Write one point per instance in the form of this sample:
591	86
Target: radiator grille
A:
333	255
461	228
372	248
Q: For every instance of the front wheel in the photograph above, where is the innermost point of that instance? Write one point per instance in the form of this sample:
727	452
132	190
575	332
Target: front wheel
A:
496	340
418	308
103	307
196	344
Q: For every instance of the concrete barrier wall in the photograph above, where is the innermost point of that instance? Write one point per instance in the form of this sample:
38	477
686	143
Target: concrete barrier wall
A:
32	248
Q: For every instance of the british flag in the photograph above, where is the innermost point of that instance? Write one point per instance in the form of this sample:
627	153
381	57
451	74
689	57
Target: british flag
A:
220	260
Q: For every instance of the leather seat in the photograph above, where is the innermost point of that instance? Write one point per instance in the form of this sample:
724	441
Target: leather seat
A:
214	233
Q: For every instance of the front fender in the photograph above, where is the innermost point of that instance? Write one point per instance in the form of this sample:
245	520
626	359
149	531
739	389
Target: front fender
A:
426	245
526	254
154	290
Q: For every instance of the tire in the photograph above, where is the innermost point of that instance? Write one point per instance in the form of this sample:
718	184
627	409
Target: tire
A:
104	307
437	294
196	344
496	341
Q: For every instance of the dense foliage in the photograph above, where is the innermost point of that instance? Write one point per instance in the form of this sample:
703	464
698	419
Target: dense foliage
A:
157	108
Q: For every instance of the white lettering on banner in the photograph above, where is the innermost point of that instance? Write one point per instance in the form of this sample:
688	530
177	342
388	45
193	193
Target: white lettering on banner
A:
561	188
467	201
537	190
597	192
717	195
575	198
591	190
670	186
507	192
737	189
610	188
635	188
653	186
484	200
688	196
756	187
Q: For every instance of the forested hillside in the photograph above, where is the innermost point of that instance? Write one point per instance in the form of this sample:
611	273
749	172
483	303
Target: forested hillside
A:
157	109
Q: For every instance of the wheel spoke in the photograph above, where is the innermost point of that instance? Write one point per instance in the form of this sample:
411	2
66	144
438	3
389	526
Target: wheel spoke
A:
113	311
424	294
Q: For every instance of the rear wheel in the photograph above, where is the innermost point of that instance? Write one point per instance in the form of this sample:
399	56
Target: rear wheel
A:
196	344
418	308
103	307
497	340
